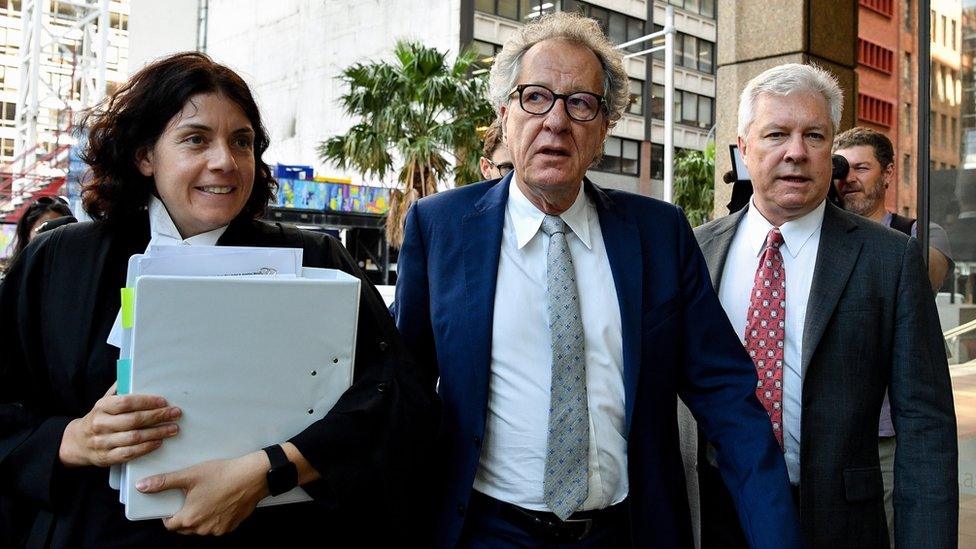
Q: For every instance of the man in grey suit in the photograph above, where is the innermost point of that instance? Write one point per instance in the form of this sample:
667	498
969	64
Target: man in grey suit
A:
834	309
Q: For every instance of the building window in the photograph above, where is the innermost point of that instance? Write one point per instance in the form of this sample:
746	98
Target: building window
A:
486	52
932	23
952	36
906	169
945	41
8	114
519	10
700	7
907	116
636	105
874	110
657	161
689	108
10	6
945	130
657	101
909	16
119	21
954	130
618	27
7	147
906	72
884	7
691	52
875	56
620	156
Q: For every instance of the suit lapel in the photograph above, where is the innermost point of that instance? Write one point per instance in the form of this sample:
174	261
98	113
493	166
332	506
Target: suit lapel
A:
715	244
622	239
481	238
836	257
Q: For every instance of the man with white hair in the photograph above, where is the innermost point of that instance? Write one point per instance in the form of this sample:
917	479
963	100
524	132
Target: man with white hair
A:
834	310
564	320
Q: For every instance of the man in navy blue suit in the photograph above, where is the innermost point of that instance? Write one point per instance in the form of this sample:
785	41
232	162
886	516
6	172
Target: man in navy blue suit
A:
565	321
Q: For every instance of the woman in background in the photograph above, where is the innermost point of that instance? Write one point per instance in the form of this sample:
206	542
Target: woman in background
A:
40	211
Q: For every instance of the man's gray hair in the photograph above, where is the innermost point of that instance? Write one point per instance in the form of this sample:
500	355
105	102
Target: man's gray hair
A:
573	28
788	79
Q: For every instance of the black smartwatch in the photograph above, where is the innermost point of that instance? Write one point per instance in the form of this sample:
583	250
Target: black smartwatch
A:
283	475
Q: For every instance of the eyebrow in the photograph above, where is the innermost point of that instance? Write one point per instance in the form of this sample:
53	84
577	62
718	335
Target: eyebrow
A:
206	128
776	126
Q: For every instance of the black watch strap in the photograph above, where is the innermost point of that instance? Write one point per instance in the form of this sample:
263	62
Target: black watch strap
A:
277	456
283	474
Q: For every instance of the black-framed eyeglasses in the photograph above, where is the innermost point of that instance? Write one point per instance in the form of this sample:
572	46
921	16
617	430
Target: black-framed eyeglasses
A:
504	168
580	106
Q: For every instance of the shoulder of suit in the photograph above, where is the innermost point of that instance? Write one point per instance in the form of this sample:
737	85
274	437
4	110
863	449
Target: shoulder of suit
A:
645	208
872	231
452	198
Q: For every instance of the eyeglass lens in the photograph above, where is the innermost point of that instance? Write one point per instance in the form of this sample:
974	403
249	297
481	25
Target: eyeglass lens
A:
580	106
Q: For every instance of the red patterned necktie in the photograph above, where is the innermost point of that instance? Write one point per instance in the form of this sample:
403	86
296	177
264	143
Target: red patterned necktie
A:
766	329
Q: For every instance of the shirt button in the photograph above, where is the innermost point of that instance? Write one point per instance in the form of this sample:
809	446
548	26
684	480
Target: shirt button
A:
381	387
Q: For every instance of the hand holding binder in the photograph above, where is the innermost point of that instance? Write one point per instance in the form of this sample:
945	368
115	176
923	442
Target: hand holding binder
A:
251	361
118	429
219	493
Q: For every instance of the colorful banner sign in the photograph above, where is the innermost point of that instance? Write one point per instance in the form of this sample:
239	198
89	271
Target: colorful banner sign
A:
335	197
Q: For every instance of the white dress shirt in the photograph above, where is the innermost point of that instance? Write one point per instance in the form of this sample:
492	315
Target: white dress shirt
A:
163	232
801	241
513	454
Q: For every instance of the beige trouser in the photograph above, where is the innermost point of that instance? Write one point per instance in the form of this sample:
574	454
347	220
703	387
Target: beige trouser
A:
886	453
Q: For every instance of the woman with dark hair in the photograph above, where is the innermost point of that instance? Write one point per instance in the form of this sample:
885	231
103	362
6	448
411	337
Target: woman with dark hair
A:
40	211
176	159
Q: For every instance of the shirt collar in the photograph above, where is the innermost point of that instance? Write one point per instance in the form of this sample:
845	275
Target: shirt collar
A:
796	233
886	220
527	219
165	233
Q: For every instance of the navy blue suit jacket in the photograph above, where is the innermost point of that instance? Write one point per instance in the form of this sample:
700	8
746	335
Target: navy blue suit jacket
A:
676	342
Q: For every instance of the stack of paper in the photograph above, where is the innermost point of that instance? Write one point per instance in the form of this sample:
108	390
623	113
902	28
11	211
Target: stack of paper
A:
251	346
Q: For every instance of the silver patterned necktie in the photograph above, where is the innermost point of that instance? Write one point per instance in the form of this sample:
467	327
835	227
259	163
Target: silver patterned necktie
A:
565	482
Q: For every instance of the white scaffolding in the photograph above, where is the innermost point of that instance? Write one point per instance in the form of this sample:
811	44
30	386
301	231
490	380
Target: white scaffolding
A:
62	69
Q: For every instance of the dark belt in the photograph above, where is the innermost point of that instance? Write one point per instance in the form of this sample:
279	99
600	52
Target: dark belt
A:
547	526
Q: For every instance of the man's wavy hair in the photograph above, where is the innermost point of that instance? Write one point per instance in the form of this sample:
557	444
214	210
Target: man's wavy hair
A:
133	118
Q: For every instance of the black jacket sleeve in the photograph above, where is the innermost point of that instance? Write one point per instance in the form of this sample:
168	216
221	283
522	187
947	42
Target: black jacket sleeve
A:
381	430
31	425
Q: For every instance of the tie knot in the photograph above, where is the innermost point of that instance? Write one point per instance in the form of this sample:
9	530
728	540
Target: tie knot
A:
774	239
552	224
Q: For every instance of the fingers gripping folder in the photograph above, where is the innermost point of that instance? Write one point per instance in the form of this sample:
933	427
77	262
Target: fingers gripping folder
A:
250	360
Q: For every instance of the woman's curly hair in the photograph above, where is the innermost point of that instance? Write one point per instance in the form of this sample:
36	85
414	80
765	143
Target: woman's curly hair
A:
133	118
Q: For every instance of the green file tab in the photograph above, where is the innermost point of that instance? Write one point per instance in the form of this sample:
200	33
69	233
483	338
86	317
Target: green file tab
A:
123	374
128	306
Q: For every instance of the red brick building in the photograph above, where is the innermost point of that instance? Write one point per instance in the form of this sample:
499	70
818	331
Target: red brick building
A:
879	53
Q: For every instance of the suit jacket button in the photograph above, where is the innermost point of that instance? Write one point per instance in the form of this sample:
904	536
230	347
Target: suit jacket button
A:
460	509
383	345
381	387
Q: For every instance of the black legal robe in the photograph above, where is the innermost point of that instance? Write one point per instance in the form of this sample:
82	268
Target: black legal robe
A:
57	306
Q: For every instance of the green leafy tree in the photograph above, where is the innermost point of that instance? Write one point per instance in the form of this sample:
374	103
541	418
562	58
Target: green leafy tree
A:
694	191
417	117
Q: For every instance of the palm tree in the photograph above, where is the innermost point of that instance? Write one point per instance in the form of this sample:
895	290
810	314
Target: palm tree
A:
418	116
694	191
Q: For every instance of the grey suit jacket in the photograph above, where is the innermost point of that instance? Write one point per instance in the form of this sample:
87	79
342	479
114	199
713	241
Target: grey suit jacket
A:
871	325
